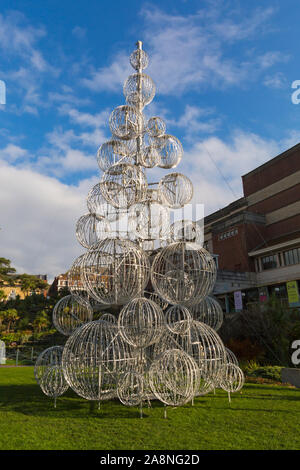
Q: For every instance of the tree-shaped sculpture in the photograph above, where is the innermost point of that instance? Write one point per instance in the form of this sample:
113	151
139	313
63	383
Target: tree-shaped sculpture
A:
156	338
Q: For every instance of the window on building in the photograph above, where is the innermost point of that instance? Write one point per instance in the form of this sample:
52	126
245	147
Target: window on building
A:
292	256
269	262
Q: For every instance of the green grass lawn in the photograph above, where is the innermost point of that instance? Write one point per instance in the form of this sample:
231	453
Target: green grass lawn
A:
262	417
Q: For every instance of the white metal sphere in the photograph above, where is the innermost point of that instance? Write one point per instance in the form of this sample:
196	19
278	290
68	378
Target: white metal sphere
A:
124	185
112	152
130	389
69	314
75	284
204	345
139	59
178	319
150	157
231	378
208	311
186	231
98	205
156	127
149	221
92	228
174	377
48	372
183	273
139	88
94	358
176	190
115	271
108	317
126	122
141	322
157	299
170	150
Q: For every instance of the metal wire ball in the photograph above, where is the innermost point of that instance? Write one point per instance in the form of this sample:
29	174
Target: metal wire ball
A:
139	59
208	311
92	228
156	127
139	88
126	122
69	314
98	205
115	271
94	358
183	273
174	377
48	372
123	185
176	190
141	322
170	150
112	152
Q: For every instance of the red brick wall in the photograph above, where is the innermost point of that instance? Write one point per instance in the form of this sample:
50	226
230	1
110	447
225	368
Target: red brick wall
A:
277	201
233	251
284	226
272	172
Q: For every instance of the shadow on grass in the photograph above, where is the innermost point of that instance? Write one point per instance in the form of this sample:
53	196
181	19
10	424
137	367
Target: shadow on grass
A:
29	400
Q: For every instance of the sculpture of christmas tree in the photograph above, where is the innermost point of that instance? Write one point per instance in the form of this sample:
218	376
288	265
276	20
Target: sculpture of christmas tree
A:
156	337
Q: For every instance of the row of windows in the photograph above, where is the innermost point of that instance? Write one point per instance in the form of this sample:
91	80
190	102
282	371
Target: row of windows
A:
230	233
288	257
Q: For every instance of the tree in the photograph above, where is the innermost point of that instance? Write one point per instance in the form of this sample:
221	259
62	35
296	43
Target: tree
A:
2	295
6	270
41	321
31	283
9	316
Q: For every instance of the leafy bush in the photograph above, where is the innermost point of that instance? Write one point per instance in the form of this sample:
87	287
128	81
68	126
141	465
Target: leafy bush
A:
252	369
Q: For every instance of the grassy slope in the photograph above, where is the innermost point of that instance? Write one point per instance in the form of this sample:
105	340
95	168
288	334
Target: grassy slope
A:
262	417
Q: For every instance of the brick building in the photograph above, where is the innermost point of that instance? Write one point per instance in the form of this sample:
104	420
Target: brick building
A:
256	239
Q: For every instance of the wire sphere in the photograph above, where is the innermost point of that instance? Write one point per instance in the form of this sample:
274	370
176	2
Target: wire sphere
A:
139	59
126	122
69	314
94	357
149	221
170	150
176	190
183	273
174	377
75	284
139	88
130	389
48	372
91	228
123	185
150	157
156	127
157	299
178	319
112	152
115	271
108	317
98	205
201	343
231	378
141	322
208	311
231	357
186	231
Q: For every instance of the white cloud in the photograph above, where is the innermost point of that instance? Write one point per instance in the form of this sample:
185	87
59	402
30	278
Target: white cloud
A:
38	217
194	50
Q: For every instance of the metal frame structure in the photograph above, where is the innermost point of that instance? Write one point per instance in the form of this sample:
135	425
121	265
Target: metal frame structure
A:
156	337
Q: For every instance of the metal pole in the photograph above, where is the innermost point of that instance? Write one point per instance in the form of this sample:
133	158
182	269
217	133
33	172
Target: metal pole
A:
17	357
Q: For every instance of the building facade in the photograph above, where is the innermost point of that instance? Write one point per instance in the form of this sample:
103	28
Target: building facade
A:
256	239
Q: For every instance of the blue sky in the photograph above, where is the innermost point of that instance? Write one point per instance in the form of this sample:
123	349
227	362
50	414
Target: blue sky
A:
223	72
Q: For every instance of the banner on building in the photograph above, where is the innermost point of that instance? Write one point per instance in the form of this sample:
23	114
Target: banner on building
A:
293	293
238	300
